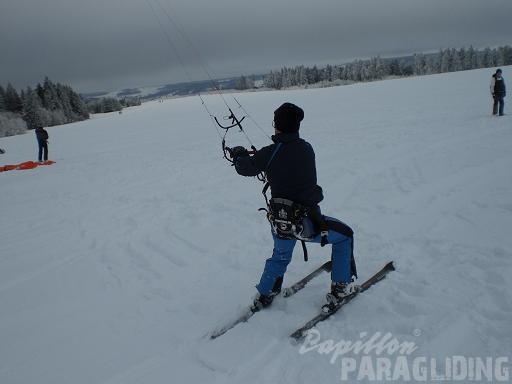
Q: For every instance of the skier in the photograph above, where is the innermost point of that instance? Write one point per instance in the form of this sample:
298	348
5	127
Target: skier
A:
498	92
289	165
42	141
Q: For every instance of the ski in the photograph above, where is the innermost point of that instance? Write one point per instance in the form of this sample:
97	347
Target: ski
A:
287	292
300	333
293	289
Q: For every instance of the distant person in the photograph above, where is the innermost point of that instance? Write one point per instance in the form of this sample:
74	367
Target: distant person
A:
42	141
498	92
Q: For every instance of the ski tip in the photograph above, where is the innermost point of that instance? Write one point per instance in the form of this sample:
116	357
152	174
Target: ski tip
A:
297	336
216	334
390	266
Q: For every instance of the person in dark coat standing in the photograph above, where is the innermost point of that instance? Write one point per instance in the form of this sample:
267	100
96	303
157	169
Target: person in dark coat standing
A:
498	92
290	168
42	141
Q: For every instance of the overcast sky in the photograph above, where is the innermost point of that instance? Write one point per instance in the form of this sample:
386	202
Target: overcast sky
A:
113	44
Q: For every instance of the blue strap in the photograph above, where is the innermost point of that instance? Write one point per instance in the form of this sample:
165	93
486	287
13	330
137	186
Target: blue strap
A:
273	154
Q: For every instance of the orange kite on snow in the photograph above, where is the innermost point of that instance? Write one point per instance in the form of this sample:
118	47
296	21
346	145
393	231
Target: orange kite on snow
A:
25	165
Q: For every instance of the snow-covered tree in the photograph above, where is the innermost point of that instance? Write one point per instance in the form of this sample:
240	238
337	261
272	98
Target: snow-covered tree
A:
32	110
394	67
13	102
2	100
420	64
241	83
504	55
446	61
11	124
459	57
104	105
80	109
50	98
470	61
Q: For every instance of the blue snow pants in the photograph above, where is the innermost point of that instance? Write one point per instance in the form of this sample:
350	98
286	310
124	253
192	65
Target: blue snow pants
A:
341	255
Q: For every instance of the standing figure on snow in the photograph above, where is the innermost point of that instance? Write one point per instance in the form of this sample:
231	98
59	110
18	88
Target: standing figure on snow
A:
42	141
498	92
294	214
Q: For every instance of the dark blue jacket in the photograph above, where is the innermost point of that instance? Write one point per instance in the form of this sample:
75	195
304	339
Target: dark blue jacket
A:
41	135
292	171
498	89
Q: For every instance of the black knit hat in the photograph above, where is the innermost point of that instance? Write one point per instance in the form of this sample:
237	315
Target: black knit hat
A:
287	118
498	70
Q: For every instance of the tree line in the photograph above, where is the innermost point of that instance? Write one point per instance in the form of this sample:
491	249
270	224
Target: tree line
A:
377	68
111	104
50	104
45	105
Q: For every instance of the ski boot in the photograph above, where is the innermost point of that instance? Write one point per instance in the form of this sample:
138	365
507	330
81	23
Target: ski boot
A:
339	291
263	301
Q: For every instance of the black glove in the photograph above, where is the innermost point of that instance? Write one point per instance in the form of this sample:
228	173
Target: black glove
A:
237	152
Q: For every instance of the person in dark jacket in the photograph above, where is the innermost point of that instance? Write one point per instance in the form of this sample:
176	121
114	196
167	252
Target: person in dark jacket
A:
498	92
42	141
289	164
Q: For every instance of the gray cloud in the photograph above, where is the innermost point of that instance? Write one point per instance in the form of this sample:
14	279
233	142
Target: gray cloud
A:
108	44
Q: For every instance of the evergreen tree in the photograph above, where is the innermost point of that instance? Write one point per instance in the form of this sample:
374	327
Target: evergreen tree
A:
130	101
64	97
286	80
446	61
381	69
78	106
2	100
433	63
394	68
508	55
339	72
301	76
241	83
459	59
32	110
328	73
486	58
406	69
494	58
104	105
365	71
244	82
13	102
40	91
356	69
267	80
50	98
420	64
470	61
313	75
504	55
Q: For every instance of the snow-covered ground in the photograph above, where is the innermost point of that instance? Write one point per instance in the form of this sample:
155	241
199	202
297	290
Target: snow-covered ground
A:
117	261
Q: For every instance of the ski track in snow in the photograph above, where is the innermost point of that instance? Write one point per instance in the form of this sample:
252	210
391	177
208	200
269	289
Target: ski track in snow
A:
117	261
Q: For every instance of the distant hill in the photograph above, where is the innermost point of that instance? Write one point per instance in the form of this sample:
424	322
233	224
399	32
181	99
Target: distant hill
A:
168	90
